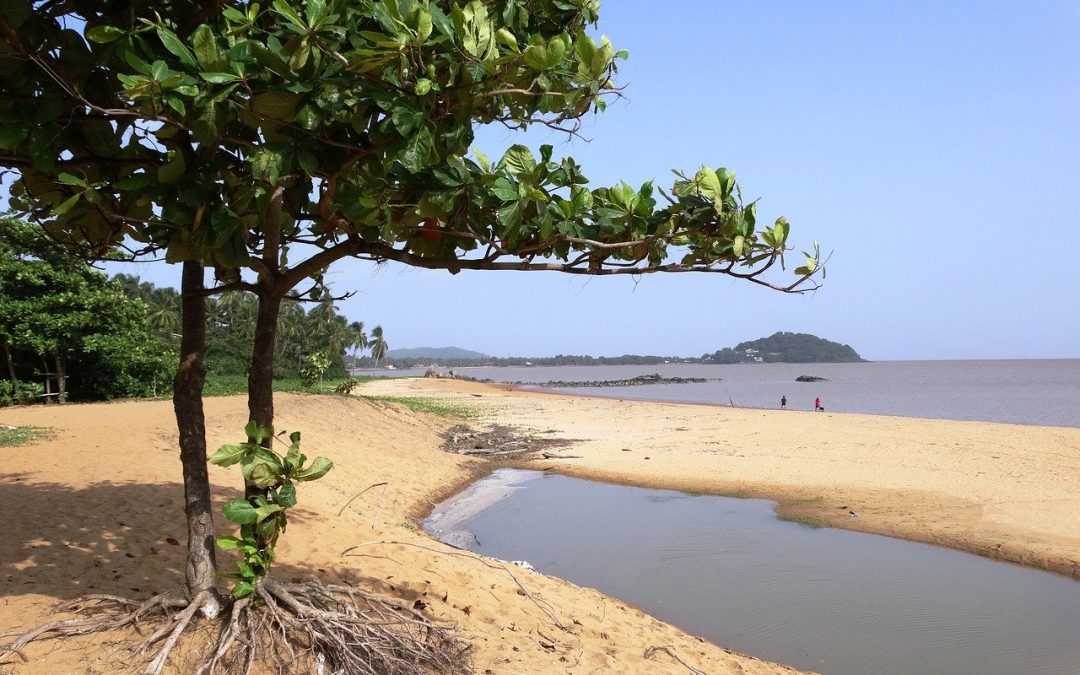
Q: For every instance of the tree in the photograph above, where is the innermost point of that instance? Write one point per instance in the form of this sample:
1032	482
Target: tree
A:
66	320
244	138
379	347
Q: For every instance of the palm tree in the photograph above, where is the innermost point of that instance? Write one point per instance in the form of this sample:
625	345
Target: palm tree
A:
163	311
357	339
378	344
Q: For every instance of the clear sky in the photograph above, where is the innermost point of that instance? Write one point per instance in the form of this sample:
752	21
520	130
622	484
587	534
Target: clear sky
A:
932	147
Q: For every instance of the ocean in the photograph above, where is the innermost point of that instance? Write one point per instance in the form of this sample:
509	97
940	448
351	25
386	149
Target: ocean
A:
1040	392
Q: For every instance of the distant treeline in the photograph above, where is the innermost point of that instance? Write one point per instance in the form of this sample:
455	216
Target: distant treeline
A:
560	360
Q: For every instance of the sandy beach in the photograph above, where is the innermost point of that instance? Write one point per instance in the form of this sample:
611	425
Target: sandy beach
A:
95	507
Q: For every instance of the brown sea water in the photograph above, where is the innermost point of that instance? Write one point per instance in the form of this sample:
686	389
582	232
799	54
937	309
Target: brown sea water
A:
727	569
1041	392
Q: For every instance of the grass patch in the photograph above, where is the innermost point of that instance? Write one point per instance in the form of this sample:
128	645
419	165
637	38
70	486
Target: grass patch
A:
804	519
230	385
432	406
12	436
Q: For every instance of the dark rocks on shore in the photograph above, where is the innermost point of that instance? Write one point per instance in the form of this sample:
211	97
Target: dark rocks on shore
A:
810	378
655	378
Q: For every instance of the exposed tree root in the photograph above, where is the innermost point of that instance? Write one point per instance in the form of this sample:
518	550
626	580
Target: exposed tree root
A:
282	626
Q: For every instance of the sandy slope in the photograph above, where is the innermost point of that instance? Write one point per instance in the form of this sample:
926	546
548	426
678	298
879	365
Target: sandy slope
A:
1006	491
96	508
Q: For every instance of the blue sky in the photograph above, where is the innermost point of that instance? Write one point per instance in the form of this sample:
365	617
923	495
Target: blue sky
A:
932	147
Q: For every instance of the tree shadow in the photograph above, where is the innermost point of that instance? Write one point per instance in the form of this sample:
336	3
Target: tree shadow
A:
117	538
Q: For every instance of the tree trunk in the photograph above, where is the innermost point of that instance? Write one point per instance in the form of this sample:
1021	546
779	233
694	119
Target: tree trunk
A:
61	380
261	373
48	380
11	370
187	402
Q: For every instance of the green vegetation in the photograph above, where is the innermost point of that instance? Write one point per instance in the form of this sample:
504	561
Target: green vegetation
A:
12	436
434	406
263	517
786	348
232	385
66	331
305	336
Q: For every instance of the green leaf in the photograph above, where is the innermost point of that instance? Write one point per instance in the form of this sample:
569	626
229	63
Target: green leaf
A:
709	186
239	511
504	189
519	159
230	454
286	10
482	160
206	49
507	38
276	105
66	205
256	433
423	26
242	590
417	150
738	247
287	496
176	47
229	543
219	78
423	86
317	470
104	34
264	512
263	475
68	179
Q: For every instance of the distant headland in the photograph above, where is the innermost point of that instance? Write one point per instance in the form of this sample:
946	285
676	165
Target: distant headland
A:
781	347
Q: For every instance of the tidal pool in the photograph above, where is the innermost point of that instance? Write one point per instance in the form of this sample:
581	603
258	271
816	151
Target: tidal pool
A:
729	570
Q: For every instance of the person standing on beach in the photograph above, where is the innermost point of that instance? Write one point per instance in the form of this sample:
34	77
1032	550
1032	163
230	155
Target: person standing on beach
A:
783	402
817	404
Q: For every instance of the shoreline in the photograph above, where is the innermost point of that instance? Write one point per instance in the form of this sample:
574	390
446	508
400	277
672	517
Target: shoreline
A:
526	387
962	500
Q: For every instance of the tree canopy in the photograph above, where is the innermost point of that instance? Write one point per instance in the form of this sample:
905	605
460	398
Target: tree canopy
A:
236	136
60	316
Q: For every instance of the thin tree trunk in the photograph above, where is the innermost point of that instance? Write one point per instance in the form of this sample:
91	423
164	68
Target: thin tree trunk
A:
190	421
261	373
61	383
48	380
11	370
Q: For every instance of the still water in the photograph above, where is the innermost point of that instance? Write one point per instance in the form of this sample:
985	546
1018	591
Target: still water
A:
728	570
1044	392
